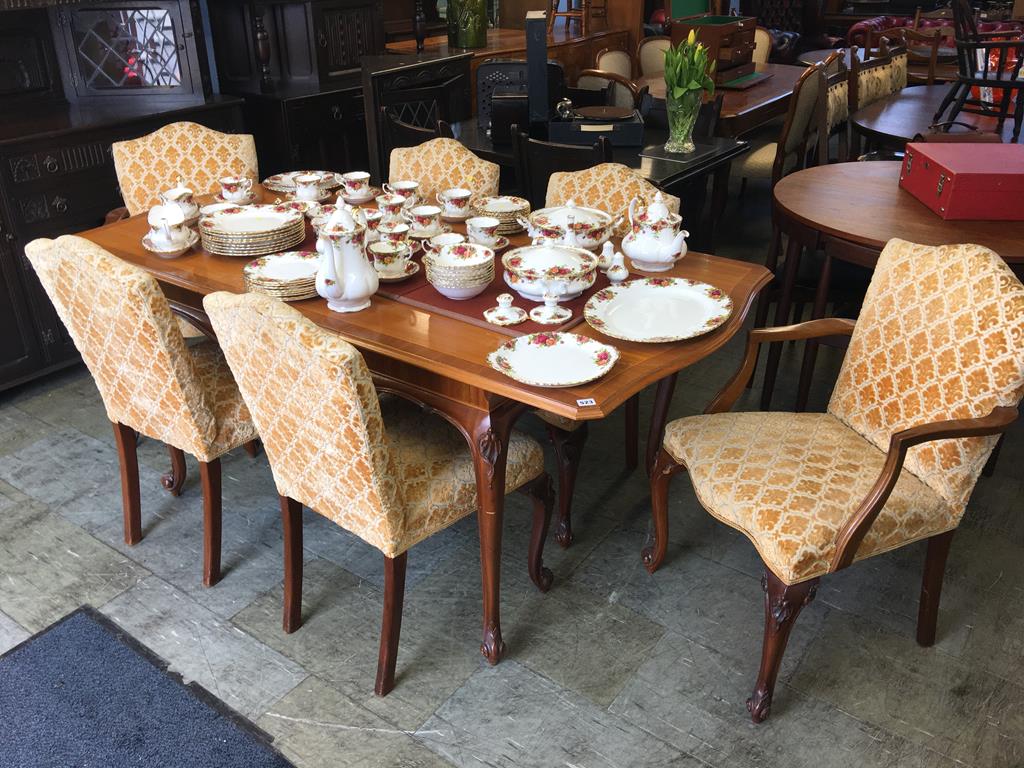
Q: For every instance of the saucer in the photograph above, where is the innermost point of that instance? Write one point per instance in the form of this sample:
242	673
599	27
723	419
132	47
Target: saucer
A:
415	246
170	251
411	268
426	235
325	194
248	201
500	244
510	316
370	195
456	219
557	315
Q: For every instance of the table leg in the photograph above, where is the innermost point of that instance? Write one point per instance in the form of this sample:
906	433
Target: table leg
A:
793	252
662	401
719	198
811	345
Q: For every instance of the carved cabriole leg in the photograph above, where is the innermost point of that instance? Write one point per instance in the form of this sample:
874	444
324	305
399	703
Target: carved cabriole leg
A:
931	587
291	520
127	442
542	494
252	448
209	475
661	476
632	436
782	604
662	401
568	449
391	624
175	479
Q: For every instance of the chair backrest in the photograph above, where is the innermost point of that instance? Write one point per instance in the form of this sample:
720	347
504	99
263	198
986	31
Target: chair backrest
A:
194	153
609	186
922	47
940	336
123	327
870	80
536	160
612	60
398	133
762	45
441	164
837	102
803	121
650	54
312	400
624	92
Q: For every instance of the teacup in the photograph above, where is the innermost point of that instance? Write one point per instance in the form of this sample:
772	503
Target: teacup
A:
392	205
373	218
393	232
424	218
437	242
407	189
356	184
236	189
167	226
483	230
455	201
389	258
307	186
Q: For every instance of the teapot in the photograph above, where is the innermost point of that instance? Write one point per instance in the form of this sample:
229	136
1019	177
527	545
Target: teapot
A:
181	196
656	242
345	276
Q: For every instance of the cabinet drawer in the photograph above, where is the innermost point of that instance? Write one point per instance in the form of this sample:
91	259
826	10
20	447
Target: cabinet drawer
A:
64	208
56	162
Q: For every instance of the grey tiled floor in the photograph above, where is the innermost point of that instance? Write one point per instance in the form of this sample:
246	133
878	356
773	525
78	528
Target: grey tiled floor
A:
613	667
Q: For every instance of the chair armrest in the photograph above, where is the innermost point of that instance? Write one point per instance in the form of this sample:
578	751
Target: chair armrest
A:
856	528
635	89
115	214
828	326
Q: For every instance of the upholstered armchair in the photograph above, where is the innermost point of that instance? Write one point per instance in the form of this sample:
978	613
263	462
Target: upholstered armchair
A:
932	376
200	156
386	470
151	382
441	164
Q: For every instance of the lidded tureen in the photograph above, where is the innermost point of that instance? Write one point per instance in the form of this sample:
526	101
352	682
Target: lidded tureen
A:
564	270
181	196
570	224
656	242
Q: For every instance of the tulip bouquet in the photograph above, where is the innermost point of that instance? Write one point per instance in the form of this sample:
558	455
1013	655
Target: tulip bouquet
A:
688	75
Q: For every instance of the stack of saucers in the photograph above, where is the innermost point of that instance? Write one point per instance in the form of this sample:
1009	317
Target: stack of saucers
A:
460	271
289	276
252	230
507	209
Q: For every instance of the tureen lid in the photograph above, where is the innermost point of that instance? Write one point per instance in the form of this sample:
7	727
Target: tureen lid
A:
559	215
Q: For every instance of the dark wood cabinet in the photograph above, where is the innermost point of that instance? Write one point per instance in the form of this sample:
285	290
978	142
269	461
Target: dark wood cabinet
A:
19	346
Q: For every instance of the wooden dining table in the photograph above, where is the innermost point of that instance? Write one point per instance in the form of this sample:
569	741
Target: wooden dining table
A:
747	108
439	361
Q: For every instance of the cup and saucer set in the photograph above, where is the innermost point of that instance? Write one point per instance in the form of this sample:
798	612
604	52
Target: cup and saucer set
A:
168	236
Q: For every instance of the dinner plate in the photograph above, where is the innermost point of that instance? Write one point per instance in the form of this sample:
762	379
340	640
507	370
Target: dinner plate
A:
283	268
285	182
553	359
250	220
658	309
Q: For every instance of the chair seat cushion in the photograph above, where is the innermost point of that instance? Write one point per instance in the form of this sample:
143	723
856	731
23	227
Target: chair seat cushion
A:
233	425
757	162
435	467
790	481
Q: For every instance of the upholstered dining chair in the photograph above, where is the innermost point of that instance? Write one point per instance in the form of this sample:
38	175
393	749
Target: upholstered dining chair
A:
386	470
624	92
933	374
650	54
152	383
441	164
200	156
614	60
837	109
762	45
874	79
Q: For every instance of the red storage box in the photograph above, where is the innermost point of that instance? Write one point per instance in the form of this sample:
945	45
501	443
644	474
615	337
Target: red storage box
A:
967	181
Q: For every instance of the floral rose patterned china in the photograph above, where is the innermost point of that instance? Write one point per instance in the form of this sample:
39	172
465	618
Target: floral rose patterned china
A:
551	359
389	258
308	187
656	242
533	270
236	189
345	276
550	313
407	189
617	272
391	205
437	242
285	182
483	230
355	186
570	224
181	196
393	231
424	220
505	314
658	309
460	271
455	202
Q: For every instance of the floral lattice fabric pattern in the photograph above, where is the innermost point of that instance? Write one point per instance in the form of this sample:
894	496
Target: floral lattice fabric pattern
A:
441	164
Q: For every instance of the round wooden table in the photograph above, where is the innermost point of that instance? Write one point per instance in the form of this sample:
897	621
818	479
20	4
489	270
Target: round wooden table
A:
895	120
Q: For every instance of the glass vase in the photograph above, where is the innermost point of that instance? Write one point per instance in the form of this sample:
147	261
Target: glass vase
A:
467	23
682	116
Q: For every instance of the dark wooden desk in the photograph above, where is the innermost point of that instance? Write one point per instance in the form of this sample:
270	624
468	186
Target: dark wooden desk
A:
742	111
895	120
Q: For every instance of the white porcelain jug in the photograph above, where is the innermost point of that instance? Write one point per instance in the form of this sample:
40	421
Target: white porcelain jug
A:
346	278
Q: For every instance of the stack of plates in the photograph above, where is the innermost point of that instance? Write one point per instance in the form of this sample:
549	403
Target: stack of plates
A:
285	182
289	276
505	208
252	230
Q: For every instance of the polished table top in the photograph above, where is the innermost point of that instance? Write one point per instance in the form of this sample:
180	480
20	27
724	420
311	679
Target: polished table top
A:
662	173
863	203
744	110
898	118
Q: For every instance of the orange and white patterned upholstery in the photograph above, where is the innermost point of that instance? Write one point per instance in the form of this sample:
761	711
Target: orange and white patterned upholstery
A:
200	156
608	186
940	336
384	470
441	164
148	377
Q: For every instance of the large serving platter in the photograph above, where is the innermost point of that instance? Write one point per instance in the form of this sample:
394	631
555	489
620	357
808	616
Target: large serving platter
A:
658	309
285	182
251	220
553	359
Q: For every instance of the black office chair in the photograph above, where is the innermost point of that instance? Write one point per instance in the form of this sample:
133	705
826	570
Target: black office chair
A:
536	160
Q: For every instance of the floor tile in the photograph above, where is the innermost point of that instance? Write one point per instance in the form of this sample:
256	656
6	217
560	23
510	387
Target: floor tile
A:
11	633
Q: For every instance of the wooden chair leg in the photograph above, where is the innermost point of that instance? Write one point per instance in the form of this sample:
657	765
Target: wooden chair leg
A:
391	626
174	480
127	442
990	466
568	450
661	476
252	448
782	604
209	475
632	437
931	587
542	494
291	521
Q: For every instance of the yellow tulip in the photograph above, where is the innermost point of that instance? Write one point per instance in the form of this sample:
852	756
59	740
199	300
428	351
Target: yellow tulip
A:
691	37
